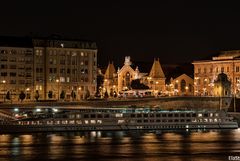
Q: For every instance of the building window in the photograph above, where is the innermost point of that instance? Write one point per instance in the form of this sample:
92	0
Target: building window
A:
222	69
205	70
62	79
227	69
211	70
199	70
183	85
82	54
217	70
237	69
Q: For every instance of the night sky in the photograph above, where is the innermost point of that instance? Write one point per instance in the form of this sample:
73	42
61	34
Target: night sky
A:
176	32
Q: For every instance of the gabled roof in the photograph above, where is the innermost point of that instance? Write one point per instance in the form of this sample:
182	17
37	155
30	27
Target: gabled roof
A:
156	71
110	71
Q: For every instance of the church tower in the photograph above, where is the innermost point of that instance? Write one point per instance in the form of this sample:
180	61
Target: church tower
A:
156	78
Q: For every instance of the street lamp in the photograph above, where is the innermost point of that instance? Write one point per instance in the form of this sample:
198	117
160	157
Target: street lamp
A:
58	88
4	95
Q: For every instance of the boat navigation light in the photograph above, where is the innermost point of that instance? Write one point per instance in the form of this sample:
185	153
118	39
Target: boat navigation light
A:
38	110
16	109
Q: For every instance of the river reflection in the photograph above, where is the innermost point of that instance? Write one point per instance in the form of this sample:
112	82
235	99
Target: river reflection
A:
121	145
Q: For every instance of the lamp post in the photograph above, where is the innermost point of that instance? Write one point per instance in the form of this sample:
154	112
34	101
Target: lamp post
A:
57	89
4	95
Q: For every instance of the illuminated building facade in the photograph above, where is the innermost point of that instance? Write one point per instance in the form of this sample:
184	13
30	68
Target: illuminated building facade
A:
121	79
180	86
207	71
48	67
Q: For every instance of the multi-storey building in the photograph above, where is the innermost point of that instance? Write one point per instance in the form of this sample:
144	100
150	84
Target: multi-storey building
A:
48	67
207	71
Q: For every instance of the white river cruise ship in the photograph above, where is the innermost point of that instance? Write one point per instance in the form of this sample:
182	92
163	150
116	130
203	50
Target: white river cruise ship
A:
93	119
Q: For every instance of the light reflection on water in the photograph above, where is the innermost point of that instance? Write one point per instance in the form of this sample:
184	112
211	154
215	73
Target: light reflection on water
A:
120	145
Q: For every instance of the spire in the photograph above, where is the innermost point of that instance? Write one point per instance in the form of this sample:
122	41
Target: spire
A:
127	60
156	71
110	71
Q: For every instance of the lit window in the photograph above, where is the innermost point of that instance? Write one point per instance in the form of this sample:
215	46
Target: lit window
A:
200	115
82	54
86	121
93	121
68	79
62	79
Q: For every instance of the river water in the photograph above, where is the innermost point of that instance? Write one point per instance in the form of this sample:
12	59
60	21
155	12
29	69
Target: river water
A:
121	146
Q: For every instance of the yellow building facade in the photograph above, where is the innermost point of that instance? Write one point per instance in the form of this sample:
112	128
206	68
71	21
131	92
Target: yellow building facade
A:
207	71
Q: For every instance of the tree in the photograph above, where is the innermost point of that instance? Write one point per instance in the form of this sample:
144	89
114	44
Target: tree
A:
136	84
22	96
37	95
106	95
8	96
73	95
62	95
87	94
50	94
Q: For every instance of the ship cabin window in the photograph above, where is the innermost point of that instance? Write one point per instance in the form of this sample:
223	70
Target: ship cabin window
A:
145	121
164	115
106	116
170	120
182	120
78	116
188	120
99	121
215	120
211	114
71	122
93	116
158	115
139	121
86	121
151	115
210	120
71	116
145	115
176	115
182	115
120	121
132	115
200	115
99	116
194	115
164	120
64	121
119	115
78	122
139	115
158	120
205	120
170	115
93	121
205	115
151	120
216	114
85	116
176	120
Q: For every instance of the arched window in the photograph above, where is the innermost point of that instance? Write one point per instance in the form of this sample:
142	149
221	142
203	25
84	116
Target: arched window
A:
183	85
127	79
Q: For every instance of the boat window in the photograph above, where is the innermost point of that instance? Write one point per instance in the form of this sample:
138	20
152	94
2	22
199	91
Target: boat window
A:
132	115
158	120
145	115
205	115
216	114
145	121
188	120
139	121
151	120
86	121
71	122
99	116
164	115
85	116
182	120
158	115
151	115
170	115
106	115
78	122
93	121
139	115
164	120
93	116
200	115
176	115
182	115
194	115
170	120
78	116
99	121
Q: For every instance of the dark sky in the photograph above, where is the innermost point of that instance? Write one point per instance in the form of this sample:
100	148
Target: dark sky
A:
176	32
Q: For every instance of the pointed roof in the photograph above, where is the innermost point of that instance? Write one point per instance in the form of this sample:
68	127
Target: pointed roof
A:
156	71
110	71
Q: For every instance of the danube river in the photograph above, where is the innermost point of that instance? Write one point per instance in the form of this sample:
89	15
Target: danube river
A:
122	146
